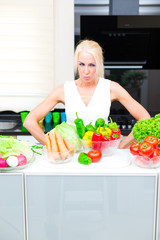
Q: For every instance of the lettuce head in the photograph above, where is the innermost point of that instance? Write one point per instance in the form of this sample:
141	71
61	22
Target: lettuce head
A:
11	146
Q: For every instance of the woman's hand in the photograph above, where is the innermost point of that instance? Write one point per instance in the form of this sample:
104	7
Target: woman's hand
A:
118	93
126	141
40	111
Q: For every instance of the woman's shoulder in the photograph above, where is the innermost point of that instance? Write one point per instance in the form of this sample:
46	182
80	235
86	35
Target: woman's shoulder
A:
114	85
58	91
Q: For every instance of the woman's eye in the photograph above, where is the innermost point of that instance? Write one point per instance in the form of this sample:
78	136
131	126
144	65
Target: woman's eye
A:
92	65
81	64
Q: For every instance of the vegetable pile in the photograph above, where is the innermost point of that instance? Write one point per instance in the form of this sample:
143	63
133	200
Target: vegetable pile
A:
57	146
96	135
146	127
14	152
148	148
69	131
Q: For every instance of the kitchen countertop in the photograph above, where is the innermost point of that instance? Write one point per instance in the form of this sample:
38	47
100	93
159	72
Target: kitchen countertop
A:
121	163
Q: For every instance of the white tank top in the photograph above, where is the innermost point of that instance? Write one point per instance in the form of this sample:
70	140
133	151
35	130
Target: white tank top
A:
98	107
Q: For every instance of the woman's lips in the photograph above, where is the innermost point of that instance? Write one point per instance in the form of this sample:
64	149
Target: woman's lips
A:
86	77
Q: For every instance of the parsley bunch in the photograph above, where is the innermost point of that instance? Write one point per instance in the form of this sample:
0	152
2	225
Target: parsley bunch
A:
146	127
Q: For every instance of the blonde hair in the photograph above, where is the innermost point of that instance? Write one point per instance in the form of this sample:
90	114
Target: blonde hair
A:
93	48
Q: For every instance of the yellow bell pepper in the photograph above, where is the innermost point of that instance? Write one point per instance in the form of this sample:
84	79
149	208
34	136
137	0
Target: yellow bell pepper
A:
88	138
105	131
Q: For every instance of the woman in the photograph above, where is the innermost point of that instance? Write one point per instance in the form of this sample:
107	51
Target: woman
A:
90	95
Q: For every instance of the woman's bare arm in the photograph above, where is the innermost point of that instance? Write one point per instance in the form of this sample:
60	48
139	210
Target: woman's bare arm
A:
40	111
118	93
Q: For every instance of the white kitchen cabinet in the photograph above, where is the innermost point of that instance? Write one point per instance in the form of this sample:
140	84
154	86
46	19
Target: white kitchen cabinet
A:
12	213
158	211
90	207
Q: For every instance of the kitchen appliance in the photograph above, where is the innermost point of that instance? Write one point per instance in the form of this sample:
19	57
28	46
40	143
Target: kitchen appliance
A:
127	41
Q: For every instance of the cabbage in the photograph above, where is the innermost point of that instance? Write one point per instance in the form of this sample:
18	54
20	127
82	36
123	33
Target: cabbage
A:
69	131
11	146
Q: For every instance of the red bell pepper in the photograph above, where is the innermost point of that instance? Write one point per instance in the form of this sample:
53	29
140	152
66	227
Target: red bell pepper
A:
117	131
106	141
106	138
96	140
114	136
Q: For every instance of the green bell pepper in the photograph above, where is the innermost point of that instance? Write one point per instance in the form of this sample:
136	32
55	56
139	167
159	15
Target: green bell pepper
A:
99	122
84	159
90	127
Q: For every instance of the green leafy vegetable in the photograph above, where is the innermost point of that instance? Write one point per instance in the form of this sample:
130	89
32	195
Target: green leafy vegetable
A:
37	149
146	127
69	131
11	146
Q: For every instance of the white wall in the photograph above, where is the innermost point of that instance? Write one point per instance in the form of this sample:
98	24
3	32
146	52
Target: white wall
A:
36	50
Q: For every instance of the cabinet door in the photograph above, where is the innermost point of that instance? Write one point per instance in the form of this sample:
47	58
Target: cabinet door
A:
12	224
158	211
90	207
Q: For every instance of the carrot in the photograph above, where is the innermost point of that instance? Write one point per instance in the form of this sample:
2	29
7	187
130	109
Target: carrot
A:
54	147
53	142
69	145
62	148
48	142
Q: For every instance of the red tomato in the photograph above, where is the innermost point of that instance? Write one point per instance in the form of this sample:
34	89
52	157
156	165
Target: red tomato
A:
152	139
134	148
95	155
156	152
145	149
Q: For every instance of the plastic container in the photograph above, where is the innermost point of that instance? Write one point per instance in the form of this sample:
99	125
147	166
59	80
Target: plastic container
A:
146	162
106	147
23	117
63	117
41	124
56	118
48	117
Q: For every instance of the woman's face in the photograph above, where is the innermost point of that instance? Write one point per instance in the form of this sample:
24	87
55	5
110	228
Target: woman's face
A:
86	66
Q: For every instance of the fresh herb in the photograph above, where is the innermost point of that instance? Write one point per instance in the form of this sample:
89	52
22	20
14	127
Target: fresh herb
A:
36	147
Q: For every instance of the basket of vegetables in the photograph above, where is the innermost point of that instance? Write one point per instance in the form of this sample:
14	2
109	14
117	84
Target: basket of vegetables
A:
102	137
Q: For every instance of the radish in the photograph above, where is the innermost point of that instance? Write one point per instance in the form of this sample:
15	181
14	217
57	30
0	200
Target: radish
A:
22	160
12	161
3	163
